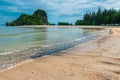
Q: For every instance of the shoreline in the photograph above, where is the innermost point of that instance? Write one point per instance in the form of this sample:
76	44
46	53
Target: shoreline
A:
37	52
56	53
96	60
66	26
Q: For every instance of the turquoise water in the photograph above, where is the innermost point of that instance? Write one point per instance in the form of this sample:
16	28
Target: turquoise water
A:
17	38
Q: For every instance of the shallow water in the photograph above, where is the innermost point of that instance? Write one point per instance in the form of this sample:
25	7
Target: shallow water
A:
20	44
17	38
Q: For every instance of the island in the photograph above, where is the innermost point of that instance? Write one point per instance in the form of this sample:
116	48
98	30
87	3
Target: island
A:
39	17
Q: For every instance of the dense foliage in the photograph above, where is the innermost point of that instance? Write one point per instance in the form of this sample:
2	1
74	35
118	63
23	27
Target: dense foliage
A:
39	17
51	23
64	23
106	17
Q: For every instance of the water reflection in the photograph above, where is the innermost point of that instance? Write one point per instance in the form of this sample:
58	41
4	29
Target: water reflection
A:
88	31
40	35
16	38
34	36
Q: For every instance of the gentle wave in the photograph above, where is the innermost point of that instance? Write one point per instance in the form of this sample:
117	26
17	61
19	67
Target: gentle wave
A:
38	51
68	44
102	32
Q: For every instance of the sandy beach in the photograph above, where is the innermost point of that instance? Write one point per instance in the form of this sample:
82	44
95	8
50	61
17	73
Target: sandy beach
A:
65	26
97	60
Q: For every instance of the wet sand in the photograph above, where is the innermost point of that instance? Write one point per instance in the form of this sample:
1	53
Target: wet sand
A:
97	60
64	26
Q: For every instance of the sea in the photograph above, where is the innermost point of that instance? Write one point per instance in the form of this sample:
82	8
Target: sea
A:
18	38
22	43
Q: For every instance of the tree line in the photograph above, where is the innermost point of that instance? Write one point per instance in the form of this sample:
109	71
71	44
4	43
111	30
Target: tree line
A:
105	17
61	23
39	17
64	23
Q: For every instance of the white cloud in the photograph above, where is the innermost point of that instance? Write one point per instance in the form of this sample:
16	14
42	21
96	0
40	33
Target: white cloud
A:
56	8
112	4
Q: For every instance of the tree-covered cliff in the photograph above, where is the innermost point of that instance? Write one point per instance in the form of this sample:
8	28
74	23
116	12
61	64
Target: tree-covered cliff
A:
39	17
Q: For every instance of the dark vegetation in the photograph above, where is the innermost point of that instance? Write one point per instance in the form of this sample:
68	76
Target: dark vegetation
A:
101	17
64	23
52	24
106	17
39	17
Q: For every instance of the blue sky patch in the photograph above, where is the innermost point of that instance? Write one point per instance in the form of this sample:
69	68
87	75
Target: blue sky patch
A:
58	10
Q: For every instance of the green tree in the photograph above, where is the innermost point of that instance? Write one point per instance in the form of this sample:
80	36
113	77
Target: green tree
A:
106	17
93	18
64	23
99	17
80	22
87	19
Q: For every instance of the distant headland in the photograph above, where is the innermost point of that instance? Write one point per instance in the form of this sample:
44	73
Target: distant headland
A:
39	17
109	17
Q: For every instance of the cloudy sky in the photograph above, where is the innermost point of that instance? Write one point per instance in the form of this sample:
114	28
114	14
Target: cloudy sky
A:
58	10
